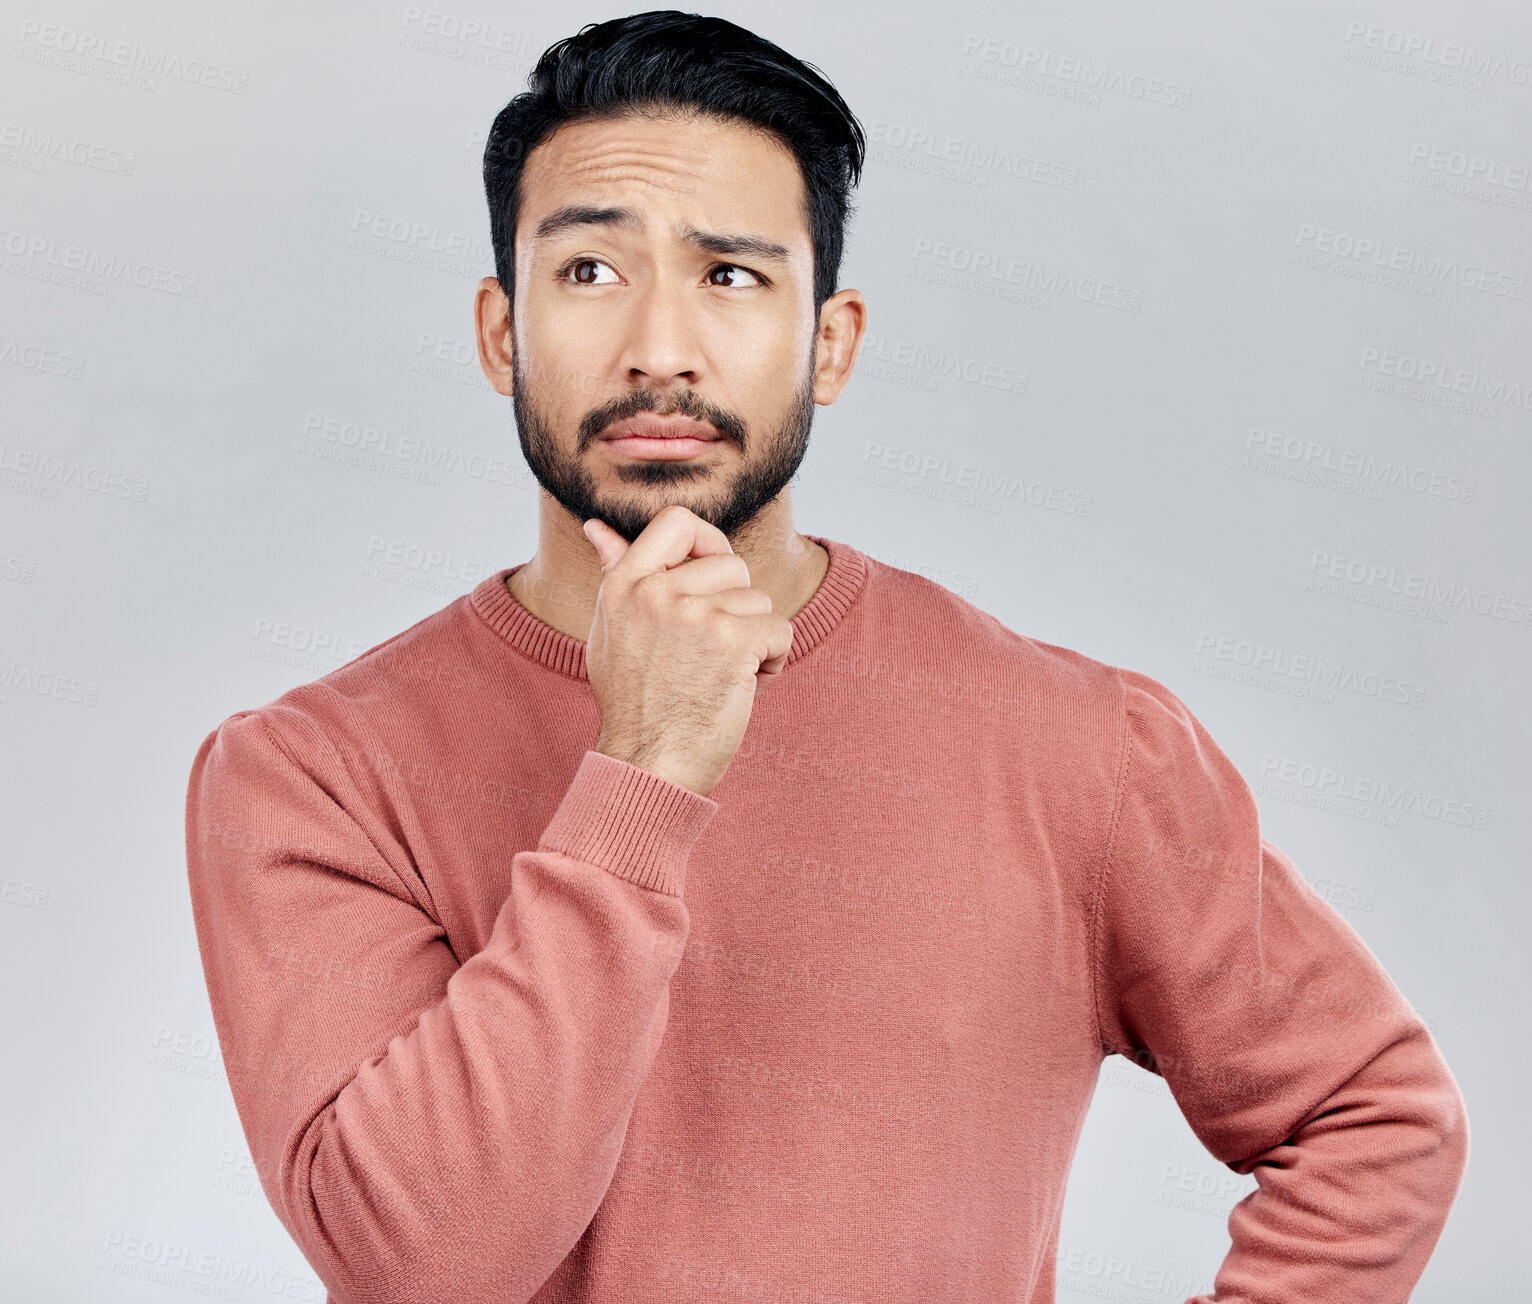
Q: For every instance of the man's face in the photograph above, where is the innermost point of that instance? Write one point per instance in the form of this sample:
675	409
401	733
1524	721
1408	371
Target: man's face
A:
690	310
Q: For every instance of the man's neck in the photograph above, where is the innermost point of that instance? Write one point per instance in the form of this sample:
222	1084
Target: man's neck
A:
559	584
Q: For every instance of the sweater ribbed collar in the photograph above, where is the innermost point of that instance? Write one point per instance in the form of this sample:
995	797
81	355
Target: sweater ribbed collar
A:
842	583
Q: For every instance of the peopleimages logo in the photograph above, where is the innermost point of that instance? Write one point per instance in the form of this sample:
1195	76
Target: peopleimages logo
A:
45	258
111	60
1471	167
910	362
1429	589
209	1273
34	358
58	146
1241	661
924	144
965	483
1378	254
1426	374
418	244
1329	784
421	458
1091	78
470	40
1321	456
1105	1276
989	265
1451	56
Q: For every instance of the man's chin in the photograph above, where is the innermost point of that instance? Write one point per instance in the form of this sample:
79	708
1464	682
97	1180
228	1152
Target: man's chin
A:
631	518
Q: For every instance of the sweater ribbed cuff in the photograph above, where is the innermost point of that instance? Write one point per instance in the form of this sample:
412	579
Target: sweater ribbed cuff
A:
630	822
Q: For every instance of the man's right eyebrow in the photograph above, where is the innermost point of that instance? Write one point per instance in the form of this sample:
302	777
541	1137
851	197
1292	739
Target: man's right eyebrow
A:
572	215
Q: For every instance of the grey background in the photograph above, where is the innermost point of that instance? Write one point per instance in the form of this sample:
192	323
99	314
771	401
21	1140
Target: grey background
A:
182	534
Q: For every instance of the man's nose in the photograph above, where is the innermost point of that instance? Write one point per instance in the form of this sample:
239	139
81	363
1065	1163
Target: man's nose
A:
663	343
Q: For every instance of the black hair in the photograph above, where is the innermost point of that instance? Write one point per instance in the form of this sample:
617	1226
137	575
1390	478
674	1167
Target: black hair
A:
666	61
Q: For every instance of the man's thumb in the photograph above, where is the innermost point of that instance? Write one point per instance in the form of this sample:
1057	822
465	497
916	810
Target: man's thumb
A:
609	545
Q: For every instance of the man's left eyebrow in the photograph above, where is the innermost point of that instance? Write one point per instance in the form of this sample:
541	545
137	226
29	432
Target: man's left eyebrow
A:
748	246
713	242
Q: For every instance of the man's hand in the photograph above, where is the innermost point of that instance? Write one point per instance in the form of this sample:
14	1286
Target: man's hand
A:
679	644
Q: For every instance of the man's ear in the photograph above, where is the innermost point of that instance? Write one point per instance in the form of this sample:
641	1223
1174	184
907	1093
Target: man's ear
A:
492	330
842	325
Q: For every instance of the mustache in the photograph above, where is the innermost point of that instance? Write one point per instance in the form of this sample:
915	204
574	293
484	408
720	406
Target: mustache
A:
681	402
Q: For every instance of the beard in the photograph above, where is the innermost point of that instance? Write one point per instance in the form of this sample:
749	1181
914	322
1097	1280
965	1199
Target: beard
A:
730	508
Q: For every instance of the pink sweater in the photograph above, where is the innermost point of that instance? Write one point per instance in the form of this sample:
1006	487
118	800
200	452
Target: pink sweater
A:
506	1019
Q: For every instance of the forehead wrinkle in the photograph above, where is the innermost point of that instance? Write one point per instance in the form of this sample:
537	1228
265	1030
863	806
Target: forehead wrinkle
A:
640	164
618	157
591	182
637	159
596	146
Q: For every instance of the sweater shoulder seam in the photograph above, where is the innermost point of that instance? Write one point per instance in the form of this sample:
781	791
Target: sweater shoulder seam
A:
1120	785
274	733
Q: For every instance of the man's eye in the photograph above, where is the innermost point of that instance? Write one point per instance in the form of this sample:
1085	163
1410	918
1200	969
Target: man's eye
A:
733	268
581	278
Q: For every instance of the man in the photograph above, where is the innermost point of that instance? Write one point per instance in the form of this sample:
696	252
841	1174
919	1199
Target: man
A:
702	910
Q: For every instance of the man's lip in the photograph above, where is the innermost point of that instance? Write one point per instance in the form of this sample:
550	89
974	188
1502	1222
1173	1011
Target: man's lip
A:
661	428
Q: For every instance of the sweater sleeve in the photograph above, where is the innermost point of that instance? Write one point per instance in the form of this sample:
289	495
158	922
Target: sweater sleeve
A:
1289	1050
428	1130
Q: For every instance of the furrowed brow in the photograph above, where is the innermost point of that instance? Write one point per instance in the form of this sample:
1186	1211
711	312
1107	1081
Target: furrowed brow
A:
747	246
714	242
573	215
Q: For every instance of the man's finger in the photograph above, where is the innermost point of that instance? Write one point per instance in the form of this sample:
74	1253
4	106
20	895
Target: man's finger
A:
609	545
672	537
